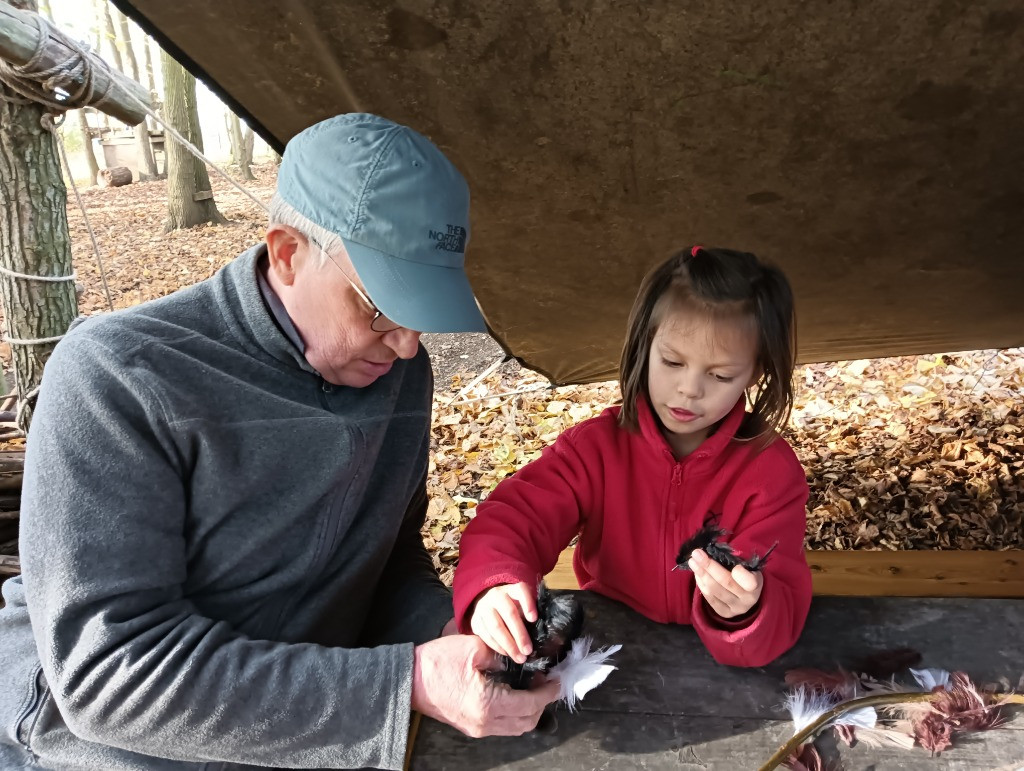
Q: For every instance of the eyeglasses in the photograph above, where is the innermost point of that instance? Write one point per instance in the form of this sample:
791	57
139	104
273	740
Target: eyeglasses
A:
379	322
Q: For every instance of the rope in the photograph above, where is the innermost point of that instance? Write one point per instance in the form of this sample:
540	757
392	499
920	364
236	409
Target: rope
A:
34	341
64	86
85	216
31	277
20	415
197	152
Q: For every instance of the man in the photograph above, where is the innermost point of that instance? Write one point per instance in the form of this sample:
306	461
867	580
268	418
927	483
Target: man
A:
224	489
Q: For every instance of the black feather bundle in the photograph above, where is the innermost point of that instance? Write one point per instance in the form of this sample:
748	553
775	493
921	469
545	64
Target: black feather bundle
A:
559	622
707	538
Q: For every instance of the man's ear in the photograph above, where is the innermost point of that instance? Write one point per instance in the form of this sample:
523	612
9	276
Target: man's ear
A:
283	243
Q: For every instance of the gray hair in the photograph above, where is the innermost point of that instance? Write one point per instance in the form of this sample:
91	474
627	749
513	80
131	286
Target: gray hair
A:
283	213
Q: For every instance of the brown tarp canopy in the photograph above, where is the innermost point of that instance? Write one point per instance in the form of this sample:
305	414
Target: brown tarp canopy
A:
874	150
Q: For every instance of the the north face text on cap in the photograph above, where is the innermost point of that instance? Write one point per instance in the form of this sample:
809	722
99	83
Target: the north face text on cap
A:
452	240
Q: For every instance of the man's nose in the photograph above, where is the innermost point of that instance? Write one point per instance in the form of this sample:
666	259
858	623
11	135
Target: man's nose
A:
404	342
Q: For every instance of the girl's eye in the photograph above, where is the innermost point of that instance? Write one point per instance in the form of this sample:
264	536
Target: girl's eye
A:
668	363
724	379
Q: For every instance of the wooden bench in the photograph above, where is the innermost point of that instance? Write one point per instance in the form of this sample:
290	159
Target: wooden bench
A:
891	573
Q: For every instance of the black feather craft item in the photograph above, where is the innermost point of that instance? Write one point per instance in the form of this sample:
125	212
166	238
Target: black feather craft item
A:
708	538
559	622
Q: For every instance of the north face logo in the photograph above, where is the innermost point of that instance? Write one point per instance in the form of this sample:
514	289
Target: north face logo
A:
452	240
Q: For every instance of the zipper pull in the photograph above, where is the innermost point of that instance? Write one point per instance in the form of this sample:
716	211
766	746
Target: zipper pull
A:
677	474
325	386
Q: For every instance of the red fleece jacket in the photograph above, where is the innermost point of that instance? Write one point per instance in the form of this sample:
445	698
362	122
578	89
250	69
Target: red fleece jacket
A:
633	505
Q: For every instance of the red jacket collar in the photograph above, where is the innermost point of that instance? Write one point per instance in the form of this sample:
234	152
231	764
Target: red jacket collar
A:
650	429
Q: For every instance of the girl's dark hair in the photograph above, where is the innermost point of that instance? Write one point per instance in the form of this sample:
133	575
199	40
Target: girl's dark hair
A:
719	283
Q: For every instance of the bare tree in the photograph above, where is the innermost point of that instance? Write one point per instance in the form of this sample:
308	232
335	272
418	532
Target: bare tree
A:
111	35
143	148
90	155
34	238
189	194
150	78
241	145
98	7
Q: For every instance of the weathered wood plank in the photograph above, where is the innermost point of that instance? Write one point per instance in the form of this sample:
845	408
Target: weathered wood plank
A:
670	671
670	705
891	573
589	740
9	566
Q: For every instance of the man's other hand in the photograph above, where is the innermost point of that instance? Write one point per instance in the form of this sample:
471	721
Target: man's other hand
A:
450	684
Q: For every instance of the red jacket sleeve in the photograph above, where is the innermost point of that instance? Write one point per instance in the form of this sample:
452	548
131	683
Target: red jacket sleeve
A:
774	510
523	525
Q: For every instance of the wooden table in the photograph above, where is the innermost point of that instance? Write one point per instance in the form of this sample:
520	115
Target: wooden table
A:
669	706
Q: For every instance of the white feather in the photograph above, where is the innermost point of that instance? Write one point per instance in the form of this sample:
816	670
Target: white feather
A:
931	678
582	671
806	705
862	717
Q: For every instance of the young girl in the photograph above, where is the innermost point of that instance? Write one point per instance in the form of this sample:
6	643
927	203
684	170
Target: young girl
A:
708	327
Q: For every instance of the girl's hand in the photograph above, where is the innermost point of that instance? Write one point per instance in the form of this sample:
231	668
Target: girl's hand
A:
729	594
498	619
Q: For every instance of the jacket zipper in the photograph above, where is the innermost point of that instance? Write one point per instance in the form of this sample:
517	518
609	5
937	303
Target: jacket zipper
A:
324	389
672	513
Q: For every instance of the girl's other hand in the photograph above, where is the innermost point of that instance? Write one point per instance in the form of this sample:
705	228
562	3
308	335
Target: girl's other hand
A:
729	594
498	619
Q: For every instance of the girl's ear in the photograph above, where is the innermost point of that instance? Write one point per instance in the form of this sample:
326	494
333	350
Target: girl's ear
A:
756	376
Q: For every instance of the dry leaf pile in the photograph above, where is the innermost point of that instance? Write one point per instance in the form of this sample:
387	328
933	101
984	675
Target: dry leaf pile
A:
914	452
901	453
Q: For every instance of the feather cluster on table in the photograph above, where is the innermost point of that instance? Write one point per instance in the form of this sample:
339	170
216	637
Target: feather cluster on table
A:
559	650
885	701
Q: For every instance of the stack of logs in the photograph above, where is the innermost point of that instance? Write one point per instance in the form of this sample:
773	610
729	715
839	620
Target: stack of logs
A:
12	463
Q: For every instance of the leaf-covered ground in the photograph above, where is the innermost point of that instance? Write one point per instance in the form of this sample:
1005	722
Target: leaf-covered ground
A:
918	452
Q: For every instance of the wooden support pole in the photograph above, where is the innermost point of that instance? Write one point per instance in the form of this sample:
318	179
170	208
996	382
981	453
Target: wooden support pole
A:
19	37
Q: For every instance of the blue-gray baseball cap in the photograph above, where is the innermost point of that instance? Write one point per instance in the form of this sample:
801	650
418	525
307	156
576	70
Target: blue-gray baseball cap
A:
400	207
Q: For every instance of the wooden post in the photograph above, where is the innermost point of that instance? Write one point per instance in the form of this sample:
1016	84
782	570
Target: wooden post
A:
19	38
34	237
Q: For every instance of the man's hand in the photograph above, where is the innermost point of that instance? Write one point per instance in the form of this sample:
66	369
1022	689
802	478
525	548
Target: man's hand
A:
498	619
729	594
449	684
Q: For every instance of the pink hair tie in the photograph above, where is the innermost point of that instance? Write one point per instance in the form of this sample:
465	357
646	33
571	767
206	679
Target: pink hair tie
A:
694	250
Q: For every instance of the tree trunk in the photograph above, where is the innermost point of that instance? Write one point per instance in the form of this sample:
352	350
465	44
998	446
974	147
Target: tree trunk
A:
241	146
189	197
111	34
125	40
150	77
248	145
143	148
33	236
97	30
90	156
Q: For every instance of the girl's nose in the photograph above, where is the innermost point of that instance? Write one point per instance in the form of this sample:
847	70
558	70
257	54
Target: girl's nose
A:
691	385
404	342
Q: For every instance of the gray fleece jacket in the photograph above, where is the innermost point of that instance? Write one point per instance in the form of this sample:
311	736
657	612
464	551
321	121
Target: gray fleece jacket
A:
221	551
